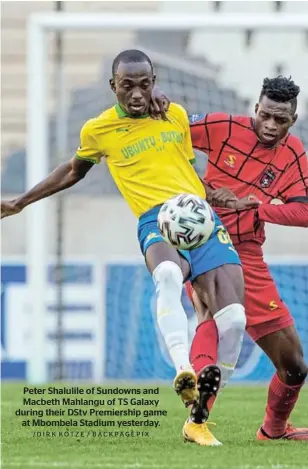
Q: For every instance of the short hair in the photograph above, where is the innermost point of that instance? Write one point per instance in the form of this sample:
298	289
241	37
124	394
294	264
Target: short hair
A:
280	89
128	56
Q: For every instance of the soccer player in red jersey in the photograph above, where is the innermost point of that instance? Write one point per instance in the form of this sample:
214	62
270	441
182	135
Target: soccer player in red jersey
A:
257	158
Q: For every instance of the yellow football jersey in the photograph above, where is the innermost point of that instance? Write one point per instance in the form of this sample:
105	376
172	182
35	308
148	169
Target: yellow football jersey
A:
149	160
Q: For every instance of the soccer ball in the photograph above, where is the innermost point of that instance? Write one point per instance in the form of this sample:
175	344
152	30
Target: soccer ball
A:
186	221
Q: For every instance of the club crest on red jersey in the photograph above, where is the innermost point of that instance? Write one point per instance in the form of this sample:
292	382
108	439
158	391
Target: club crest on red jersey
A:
267	178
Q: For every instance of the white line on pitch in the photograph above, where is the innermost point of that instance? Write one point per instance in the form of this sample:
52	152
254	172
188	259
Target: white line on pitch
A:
103	464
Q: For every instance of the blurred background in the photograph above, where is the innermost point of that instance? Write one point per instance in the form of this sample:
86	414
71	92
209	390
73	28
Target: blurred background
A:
100	299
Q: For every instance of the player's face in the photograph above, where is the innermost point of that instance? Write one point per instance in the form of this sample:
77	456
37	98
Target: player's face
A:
133	84
273	120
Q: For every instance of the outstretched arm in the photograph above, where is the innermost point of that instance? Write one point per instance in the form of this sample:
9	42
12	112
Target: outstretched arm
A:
61	178
292	190
290	214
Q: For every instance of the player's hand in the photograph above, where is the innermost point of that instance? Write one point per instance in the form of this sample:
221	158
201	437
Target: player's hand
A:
9	207
245	203
220	197
159	104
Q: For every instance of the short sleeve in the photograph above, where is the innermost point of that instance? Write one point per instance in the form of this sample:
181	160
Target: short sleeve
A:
88	149
294	183
205	128
187	137
189	151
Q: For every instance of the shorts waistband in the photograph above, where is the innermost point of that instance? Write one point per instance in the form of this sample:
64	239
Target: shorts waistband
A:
151	212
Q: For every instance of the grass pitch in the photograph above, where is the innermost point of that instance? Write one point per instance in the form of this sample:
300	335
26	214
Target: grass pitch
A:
237	414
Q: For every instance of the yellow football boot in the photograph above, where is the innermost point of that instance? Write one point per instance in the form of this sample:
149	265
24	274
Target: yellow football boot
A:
199	433
185	385
195	428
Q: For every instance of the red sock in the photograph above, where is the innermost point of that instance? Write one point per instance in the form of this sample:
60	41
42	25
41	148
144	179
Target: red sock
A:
280	403
203	350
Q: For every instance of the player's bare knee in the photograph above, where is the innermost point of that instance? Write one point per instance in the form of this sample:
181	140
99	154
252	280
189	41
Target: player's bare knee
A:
293	371
297	370
302	372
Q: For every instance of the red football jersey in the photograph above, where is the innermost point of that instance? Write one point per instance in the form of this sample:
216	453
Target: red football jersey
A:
238	161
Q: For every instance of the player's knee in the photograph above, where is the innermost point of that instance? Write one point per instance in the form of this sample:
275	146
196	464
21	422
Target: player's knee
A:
168	278
230	322
293	370
234	318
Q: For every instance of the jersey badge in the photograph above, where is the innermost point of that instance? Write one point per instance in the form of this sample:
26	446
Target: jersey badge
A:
196	117
151	236
230	161
122	130
267	178
273	305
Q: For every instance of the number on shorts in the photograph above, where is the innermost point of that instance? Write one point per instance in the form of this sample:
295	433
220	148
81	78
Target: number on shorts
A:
223	235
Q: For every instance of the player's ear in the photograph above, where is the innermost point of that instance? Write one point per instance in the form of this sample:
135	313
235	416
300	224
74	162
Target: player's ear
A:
112	84
294	119
154	79
256	108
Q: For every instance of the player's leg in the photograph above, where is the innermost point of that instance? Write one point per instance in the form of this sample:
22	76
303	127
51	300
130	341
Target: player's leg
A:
271	326
205	344
222	289
218	281
169	269
191	314
230	320
255	277
284	349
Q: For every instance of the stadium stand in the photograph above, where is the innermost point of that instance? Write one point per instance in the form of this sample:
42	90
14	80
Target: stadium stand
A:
86	48
201	80
281	52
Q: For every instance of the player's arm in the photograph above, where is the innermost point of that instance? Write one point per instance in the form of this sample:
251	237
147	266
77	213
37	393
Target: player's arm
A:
205	129
63	177
221	197
293	191
159	104
202	126
218	197
224	197
290	214
188	149
209	130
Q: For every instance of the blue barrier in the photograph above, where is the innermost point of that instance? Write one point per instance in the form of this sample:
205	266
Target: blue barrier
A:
134	348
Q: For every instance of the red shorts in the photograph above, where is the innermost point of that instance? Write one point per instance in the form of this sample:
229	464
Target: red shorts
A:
265	311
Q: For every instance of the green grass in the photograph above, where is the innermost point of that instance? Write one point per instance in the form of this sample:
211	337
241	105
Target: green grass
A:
238	414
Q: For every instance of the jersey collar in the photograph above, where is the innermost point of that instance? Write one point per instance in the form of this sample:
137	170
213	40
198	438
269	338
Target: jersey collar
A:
121	113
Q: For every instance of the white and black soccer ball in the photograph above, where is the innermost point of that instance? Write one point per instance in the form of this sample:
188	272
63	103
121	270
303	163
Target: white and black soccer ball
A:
186	221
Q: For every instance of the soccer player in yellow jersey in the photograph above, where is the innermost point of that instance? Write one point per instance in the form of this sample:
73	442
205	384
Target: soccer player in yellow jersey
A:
150	161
